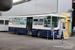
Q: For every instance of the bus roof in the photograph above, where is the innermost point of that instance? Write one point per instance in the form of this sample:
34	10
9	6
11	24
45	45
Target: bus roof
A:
36	15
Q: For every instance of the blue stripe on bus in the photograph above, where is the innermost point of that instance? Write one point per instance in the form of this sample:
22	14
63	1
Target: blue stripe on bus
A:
34	32
44	33
20	30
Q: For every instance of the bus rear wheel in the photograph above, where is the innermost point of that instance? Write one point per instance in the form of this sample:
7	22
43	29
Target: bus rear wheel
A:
39	34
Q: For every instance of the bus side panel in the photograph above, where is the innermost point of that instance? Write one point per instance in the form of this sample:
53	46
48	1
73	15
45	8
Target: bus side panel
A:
12	29
34	31
45	33
48	33
19	30
22	30
56	31
55	34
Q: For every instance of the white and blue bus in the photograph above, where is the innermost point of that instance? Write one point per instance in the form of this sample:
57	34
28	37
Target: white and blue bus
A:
36	25
4	20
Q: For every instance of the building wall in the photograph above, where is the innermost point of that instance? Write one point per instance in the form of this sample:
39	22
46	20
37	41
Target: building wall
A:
64	6
33	7
73	18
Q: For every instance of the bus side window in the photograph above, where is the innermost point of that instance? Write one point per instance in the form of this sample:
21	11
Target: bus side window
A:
1	21
35	21
54	21
11	20
40	21
17	19
23	21
6	22
47	21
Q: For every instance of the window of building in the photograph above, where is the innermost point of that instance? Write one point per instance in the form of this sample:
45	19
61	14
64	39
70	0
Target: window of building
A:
23	21
47	21
54	21
40	21
6	22
1	21
35	21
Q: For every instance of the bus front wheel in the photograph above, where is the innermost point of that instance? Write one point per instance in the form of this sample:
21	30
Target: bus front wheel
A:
39	34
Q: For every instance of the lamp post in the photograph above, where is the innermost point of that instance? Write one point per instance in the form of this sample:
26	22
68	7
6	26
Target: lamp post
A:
52	29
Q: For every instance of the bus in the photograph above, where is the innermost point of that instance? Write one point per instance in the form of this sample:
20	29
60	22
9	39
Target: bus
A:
37	25
4	23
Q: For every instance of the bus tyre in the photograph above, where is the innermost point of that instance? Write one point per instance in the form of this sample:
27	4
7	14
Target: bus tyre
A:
39	34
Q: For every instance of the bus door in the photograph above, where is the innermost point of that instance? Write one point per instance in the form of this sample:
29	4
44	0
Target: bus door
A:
29	25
